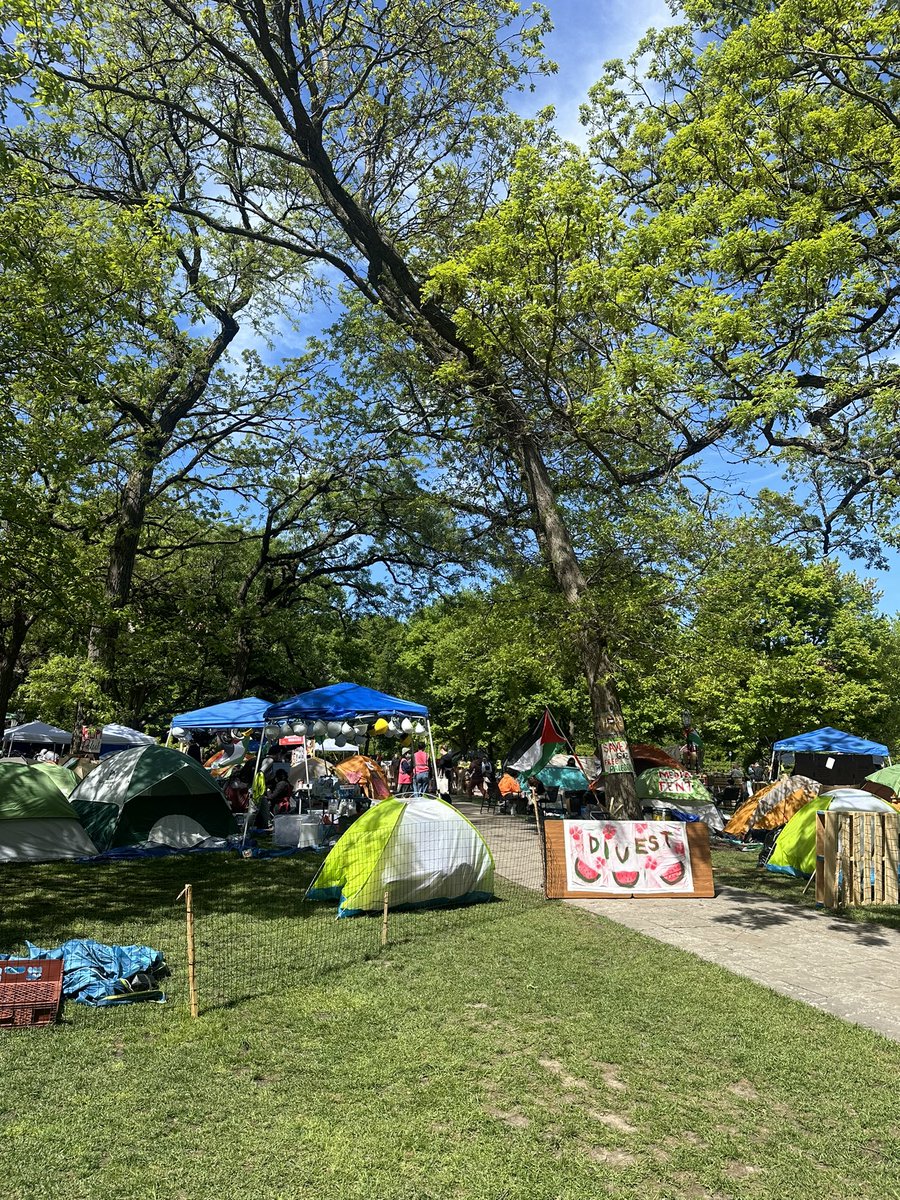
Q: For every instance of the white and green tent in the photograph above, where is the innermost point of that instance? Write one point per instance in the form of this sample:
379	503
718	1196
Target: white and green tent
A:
420	851
37	822
151	794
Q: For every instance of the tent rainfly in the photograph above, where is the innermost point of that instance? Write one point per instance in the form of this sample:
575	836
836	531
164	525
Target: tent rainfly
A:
421	852
151	794
37	823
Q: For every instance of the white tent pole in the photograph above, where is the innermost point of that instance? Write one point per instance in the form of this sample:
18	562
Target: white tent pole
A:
433	755
251	810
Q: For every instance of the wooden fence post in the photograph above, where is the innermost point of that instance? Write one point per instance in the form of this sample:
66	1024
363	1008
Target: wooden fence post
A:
188	893
384	919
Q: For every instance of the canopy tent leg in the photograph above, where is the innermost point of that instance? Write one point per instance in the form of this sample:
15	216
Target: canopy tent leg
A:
434	766
251	807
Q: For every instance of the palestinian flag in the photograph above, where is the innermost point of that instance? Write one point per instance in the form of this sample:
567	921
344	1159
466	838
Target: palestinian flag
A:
532	752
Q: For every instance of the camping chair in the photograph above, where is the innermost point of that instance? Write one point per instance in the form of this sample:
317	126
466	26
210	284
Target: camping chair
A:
488	798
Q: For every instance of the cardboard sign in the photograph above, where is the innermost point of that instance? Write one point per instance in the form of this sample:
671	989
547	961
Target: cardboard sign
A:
662	860
616	757
635	856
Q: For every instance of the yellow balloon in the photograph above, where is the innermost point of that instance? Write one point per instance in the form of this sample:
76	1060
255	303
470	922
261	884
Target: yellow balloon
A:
380	725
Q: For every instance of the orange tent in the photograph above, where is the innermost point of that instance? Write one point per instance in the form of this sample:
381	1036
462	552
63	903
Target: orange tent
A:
774	805
367	773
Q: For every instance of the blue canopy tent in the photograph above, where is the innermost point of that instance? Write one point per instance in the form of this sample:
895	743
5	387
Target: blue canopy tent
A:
340	702
344	702
831	741
830	756
248	713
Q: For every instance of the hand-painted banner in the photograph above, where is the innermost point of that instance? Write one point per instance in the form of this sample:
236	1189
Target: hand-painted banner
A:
616	758
634	856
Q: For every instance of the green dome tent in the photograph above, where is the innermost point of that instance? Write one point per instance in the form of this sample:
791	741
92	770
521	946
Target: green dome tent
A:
421	852
65	780
37	823
151	794
795	850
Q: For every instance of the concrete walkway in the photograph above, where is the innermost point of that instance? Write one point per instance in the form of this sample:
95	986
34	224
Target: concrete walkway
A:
850	970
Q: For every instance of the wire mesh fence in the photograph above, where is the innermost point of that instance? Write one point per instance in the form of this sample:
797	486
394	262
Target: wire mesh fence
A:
259	925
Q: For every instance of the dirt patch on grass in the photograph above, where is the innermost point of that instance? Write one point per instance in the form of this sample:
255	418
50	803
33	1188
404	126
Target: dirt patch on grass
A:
513	1119
613	1121
740	1170
610	1158
744	1089
557	1069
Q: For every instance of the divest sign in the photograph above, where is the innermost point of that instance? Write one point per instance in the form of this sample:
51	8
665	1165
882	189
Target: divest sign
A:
634	857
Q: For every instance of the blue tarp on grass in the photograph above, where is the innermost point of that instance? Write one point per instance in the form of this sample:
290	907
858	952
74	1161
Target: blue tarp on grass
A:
97	974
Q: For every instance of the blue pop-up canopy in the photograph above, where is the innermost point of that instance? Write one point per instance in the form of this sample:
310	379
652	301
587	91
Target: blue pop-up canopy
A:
831	741
248	713
340	702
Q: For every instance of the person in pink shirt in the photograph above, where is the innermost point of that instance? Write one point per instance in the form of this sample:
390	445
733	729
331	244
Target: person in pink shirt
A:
404	773
420	765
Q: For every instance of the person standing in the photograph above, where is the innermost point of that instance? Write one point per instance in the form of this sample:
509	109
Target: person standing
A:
404	774
422	776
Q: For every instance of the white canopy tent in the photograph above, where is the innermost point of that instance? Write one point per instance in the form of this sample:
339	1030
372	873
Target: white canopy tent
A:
38	734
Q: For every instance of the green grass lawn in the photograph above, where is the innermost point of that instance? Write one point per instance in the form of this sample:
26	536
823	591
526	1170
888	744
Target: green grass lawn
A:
735	869
521	1049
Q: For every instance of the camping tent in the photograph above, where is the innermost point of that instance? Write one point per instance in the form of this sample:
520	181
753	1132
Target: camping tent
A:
37	733
37	823
851	758
62	777
535	749
115	737
248	713
774	805
421	852
367	773
644	756
795	850
151	794
884	783
676	789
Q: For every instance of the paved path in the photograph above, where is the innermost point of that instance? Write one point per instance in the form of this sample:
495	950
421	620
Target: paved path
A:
850	970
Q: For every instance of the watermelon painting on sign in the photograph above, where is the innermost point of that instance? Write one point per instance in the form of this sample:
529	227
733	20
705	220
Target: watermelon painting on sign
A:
642	857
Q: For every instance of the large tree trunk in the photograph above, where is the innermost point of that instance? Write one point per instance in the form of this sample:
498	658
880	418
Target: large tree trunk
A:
240	664
593	651
15	632
104	639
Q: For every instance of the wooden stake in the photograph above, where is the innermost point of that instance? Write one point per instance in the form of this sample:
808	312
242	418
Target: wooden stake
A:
192	961
384	920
